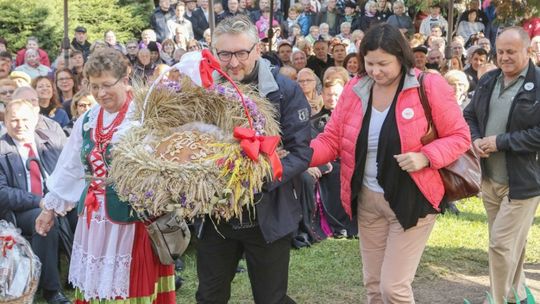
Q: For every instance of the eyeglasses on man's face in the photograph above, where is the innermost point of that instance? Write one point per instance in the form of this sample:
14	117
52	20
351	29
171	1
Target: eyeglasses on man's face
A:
241	55
105	86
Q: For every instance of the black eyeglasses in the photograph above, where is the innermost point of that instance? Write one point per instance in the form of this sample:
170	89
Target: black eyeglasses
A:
240	55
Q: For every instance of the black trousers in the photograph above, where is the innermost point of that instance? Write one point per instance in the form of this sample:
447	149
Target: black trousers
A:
218	257
45	247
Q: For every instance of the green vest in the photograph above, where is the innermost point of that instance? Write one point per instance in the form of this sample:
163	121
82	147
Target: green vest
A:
117	211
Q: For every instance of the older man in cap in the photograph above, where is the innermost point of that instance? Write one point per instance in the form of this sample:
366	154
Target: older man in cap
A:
80	42
504	118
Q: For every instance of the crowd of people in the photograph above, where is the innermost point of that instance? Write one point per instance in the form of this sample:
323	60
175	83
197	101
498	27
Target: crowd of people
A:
353	90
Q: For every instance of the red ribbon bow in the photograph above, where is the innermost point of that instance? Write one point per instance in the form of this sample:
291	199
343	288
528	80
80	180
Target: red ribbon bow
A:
207	65
252	145
91	203
8	243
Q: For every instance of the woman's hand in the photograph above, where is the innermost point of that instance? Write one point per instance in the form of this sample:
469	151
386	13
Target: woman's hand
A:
412	161
314	172
44	222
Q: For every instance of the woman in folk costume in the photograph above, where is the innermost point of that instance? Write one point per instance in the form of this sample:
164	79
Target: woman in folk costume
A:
112	256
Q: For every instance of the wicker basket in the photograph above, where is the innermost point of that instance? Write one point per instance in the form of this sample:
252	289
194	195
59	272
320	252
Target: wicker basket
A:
28	295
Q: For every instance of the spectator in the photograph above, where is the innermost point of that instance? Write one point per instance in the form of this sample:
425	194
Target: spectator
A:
48	102
535	50
32	67
351	16
147	36
180	39
420	57
7	87
478	59
154	53
369	18
21	189
143	68
3	44
110	39
263	24
5	64
81	102
292	21
219	12
32	44
284	51
80	42
308	82
434	17
193	45
503	121
438	43
356	39
336	72
314	34
167	52
242	7
435	60
76	61
384	10
160	18
485	44
344	31
308	17
339	52
458	80
98	45
180	23
474	6
400	20
470	26
331	16
232	8
299	60
387	174
351	64
436	31
207	39
132	48
458	50
191	6
199	20
321	60
289	72
66	86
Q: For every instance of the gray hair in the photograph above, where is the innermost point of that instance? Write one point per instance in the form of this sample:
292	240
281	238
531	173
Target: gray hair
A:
523	35
236	25
345	24
31	52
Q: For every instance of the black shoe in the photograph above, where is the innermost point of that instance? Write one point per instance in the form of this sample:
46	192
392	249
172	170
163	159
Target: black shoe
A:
452	208
55	297
179	264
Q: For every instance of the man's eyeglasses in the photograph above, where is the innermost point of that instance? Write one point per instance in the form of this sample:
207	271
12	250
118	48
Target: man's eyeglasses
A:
240	55
105	86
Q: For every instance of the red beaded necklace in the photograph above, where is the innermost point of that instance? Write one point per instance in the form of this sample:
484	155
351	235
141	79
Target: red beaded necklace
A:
103	135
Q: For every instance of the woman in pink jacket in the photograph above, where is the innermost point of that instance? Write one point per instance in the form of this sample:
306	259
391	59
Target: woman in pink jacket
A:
388	178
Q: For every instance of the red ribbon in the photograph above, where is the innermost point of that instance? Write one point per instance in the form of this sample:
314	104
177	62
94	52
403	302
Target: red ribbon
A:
252	145
8	243
207	65
91	203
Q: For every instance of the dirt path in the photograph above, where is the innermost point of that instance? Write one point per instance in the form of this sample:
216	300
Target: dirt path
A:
454	287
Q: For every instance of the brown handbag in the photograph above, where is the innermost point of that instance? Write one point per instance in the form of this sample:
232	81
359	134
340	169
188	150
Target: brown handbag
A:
461	178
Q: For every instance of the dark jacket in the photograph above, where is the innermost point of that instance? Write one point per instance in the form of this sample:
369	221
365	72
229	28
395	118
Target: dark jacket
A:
318	66
521	142
322	17
278	211
158	21
84	48
14	195
199	23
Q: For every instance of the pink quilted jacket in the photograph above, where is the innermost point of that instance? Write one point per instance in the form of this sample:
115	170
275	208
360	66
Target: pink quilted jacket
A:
341	132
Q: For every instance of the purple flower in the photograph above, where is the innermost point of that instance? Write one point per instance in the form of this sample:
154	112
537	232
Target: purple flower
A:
183	200
149	193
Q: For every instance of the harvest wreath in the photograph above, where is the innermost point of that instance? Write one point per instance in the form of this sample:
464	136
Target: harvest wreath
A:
199	149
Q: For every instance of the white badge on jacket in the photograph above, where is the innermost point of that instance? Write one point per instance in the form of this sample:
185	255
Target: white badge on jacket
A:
407	113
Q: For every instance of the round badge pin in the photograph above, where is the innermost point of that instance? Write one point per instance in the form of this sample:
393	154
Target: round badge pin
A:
407	113
529	86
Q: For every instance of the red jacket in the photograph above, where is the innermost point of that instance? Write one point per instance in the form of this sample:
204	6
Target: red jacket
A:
341	133
43	57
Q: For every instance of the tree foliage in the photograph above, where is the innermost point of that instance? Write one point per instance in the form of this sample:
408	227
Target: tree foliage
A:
45	20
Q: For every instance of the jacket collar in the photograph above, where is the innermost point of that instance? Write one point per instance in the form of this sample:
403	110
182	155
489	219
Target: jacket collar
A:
267	83
363	87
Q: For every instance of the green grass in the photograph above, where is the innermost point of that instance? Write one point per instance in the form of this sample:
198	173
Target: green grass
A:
330	272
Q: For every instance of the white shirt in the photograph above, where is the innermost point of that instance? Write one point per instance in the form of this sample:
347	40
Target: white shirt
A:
23	153
370	170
